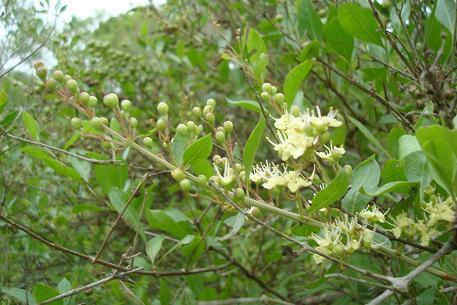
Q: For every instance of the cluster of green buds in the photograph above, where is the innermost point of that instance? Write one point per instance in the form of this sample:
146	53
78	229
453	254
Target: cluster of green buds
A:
271	95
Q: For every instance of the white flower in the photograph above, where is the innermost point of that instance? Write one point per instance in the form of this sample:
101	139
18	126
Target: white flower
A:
295	181
403	224
332	153
228	177
292	144
322	123
372	214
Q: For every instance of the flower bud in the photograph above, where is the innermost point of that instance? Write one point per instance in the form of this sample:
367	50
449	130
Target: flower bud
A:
126	105
211	102
58	76
228	127
162	108
265	96
103	121
295	110
197	112
278	98
185	185
181	130
84	98
133	122
72	85
255	212
178	174
199	129
95	122
220	137
266	87
207	109
348	169
147	141
42	72
76	123
111	100
239	195
93	101
216	159
202	179
210	117
51	84
191	126
38	64
273	90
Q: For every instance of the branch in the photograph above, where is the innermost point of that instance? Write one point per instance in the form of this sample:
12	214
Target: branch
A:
262	299
114	276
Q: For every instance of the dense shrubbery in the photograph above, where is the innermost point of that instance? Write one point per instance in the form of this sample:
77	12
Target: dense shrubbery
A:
229	152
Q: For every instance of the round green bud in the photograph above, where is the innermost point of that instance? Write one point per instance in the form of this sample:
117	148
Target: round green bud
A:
84	98
386	4
216	159
58	76
278	98
72	85
266	87
103	121
93	101
228	127
211	102
220	137
197	112
324	137
255	211
76	123
210	117
348	169
207	109
178	174
38	64
181	130
111	100
238	167
202	179
199	129
162	108
243	176
67	77
147	141
273	90
126	105
95	122
51	84
185	185
265	96
161	124
133	122
239	195
191	126
295	110
42	72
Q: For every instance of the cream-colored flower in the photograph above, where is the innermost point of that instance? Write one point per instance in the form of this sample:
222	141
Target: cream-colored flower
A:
295	181
228	177
373	214
403	224
321	123
332	153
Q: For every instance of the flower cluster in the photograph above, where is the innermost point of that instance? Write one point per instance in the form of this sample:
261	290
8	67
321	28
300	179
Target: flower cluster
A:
342	238
272	176
298	134
437	213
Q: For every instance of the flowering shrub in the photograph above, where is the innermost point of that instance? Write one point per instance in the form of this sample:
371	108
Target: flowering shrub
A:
172	194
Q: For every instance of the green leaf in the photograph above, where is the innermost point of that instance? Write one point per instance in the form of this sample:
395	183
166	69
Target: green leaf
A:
367	133
246	104
294	79
3	100
118	199
359	22
9	118
31	125
153	247
440	147
308	20
331	193
255	42
366	175
407	145
200	149
236	222
51	162
445	14
178	145
110	176
338	40
19	294
251	146
202	167
393	141
43	292
165	293
82	167
311	50
64	285
171	221
391	187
